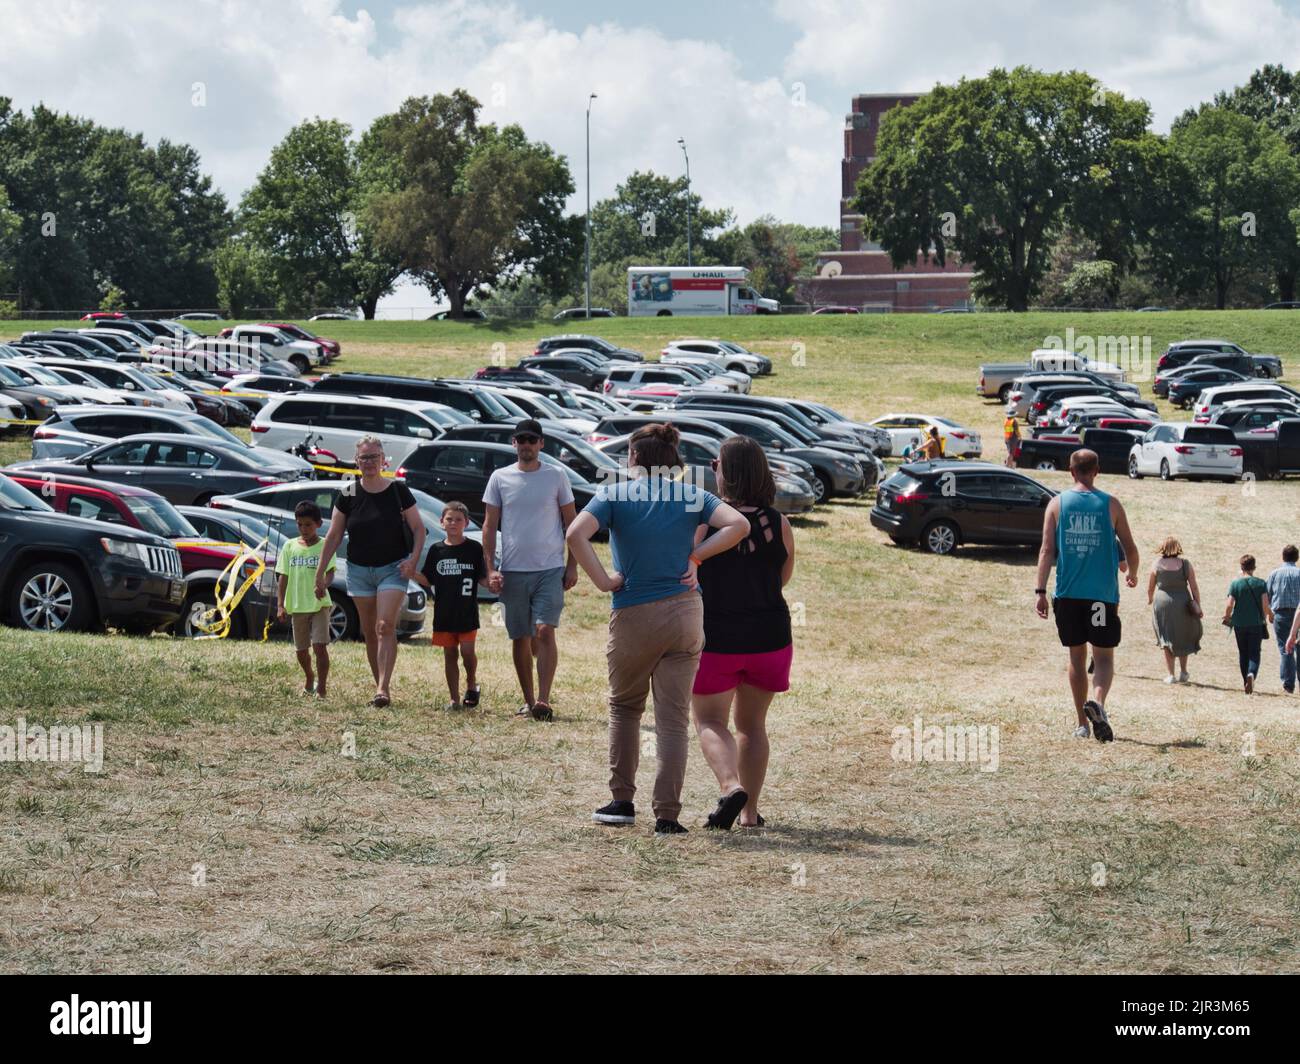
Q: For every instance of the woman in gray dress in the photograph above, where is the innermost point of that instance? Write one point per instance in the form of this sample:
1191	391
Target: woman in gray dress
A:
1176	612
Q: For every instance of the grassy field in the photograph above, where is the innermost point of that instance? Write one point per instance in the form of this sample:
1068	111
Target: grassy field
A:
464	842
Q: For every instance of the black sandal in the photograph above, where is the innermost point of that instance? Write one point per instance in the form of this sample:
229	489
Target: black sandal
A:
543	711
728	809
471	698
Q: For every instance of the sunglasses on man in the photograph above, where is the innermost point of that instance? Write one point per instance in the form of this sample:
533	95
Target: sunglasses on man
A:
527	439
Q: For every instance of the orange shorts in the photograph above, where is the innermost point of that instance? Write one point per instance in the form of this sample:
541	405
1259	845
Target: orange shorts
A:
451	639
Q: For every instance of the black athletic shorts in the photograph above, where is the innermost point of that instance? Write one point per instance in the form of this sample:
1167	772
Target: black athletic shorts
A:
1080	621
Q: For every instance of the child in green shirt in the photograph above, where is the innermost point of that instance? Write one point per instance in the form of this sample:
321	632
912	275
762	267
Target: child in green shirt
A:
296	597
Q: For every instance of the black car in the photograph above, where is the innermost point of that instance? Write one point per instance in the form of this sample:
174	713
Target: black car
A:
459	470
596	344
1111	445
1046	398
68	573
185	470
38	401
570	450
1247	417
1186	388
759	405
479	403
571	367
946	503
91	346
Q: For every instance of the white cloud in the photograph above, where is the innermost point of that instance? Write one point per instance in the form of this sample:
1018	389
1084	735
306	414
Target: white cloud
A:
1174	53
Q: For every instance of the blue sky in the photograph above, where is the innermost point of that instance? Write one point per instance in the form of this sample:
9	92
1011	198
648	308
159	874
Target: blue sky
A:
759	90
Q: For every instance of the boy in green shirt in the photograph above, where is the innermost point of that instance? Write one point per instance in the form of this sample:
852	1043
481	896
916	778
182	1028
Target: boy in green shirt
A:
296	597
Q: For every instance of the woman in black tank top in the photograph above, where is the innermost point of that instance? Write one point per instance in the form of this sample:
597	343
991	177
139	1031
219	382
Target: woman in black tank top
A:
747	642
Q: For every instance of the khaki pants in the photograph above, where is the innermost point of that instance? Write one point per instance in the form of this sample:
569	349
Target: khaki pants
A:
653	647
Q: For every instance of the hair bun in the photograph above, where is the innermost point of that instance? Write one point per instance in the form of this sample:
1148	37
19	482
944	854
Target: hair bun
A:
667	433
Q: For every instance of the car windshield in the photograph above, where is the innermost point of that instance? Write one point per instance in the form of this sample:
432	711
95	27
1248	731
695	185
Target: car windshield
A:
16	497
545	407
159	516
8	376
253	530
40	375
444	415
499	406
586	451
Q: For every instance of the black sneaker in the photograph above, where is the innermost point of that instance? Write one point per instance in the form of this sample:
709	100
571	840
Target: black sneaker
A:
615	813
668	827
1100	725
728	809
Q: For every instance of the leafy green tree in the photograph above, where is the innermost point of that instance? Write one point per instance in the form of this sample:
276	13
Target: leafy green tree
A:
991	169
645	221
10	224
470	206
1272	96
1233	185
242	278
303	215
1093	284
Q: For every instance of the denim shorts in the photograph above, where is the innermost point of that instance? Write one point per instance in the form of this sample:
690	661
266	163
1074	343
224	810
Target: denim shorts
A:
532	598
366	581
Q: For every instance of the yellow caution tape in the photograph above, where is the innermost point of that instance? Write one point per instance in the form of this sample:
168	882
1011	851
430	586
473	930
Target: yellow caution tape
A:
20	421
215	623
347	472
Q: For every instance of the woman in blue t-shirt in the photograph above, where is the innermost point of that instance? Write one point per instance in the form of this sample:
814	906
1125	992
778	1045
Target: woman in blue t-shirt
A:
656	627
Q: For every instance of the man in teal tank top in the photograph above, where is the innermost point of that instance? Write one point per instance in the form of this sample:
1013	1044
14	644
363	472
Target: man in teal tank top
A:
1079	537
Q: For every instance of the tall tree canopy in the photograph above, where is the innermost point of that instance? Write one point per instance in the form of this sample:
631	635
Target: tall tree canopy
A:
993	168
470	205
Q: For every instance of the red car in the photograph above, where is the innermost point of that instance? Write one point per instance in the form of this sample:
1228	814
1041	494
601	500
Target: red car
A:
202	560
103	315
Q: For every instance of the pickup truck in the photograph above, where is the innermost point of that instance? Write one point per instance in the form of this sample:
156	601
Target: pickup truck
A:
1053	452
1269	454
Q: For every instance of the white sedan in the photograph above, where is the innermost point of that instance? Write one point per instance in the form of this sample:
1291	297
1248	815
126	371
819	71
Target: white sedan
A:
908	431
1186	449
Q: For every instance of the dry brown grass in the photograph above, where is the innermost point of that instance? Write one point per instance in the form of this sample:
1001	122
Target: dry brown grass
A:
316	862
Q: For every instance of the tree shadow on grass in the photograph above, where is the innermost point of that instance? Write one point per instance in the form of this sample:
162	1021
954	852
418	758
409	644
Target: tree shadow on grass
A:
806	522
1174	744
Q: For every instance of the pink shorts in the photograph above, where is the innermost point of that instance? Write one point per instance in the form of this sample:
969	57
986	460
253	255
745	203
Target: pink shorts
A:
769	671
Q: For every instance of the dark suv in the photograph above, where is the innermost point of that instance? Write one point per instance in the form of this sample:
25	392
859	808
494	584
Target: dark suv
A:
66	573
946	503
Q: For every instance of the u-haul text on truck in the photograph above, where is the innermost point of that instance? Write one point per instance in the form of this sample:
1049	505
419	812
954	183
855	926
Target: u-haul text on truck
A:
667	291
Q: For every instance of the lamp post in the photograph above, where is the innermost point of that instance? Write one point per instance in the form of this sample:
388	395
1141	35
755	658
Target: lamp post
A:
588	253
682	142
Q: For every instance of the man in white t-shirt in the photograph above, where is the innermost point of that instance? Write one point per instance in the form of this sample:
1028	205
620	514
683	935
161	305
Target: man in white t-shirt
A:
532	504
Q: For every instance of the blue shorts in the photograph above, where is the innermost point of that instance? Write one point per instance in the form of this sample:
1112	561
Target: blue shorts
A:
532	598
366	581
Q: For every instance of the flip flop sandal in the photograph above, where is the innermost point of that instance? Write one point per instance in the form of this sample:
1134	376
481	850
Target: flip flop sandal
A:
471	698
524	711
728	809
380	701
543	711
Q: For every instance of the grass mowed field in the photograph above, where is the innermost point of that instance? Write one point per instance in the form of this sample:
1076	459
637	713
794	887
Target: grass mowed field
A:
228	832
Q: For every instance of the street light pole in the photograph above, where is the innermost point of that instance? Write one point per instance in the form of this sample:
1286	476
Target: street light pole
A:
588	253
682	142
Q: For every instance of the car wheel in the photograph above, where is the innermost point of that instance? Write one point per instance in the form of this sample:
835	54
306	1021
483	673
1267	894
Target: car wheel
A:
664	314
1004	393
940	538
1133	469
344	622
52	597
818	486
301	363
198	604
1165	474
1046	463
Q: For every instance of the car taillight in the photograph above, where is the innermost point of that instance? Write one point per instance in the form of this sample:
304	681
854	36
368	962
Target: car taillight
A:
1017	396
609	386
912	496
44	434
1235	452
1201	419
259	428
1184	449
1040	406
401	473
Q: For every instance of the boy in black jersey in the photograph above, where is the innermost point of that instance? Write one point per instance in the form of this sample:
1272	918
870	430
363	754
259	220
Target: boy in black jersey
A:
453	571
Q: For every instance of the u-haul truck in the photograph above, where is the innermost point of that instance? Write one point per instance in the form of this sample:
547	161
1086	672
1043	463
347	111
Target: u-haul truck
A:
668	291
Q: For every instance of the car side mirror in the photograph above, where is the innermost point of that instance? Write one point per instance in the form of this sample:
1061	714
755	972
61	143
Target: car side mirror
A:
424	434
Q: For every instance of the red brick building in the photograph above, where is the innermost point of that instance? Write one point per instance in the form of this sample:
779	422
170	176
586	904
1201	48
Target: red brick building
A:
860	274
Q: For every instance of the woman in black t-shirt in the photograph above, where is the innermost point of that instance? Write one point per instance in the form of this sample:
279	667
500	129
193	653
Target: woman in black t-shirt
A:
385	538
747	642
